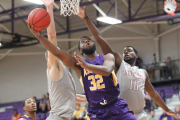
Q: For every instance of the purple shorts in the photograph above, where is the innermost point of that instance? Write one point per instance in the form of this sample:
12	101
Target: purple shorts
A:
117	110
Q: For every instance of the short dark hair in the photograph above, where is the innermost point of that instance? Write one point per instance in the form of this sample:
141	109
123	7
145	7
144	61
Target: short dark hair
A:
15	110
24	102
81	40
133	49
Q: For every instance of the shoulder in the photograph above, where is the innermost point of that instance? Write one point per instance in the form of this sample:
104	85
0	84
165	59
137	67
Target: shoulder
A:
146	74
109	56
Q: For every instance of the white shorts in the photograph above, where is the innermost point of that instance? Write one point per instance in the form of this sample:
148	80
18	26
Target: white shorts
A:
141	115
54	117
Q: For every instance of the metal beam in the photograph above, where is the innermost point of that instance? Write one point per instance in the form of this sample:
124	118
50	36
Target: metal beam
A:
59	24
38	6
120	12
112	6
17	35
129	9
131	30
138	9
4	55
25	53
55	10
168	31
108	39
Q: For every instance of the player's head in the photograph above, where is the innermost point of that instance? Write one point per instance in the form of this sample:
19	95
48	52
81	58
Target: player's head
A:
86	46
15	112
177	109
130	54
29	105
169	59
152	113
77	106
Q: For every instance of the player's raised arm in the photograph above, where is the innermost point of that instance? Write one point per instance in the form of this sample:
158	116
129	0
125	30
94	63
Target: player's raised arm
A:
95	32
66	58
55	67
105	47
156	97
51	32
104	70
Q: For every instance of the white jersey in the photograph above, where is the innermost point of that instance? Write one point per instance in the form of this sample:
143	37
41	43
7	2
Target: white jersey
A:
62	95
132	83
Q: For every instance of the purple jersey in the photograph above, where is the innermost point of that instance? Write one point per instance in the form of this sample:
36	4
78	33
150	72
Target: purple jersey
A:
100	90
26	117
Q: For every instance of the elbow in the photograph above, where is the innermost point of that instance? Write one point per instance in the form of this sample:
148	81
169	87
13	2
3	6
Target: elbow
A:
107	72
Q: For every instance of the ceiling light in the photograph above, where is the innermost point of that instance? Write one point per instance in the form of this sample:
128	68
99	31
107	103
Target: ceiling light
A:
109	20
35	1
0	44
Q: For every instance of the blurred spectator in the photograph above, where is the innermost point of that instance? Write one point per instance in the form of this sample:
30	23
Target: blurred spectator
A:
83	114
170	66
177	110
37	104
48	102
43	104
152	117
147	98
164	116
15	115
150	104
77	112
168	71
139	62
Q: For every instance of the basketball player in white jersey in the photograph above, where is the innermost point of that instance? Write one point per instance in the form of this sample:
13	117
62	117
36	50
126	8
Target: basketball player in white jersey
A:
132	80
61	86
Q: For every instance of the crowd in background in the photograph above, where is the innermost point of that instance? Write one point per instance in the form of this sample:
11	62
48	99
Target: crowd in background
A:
43	105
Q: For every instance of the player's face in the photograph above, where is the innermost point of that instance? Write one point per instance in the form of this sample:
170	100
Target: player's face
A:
129	55
87	46
30	105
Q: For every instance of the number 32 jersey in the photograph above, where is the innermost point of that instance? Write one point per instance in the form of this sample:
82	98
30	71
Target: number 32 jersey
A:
99	90
132	83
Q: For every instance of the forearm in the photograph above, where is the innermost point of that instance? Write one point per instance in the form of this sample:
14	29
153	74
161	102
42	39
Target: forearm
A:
51	30
157	99
98	37
92	28
99	69
54	50
81	98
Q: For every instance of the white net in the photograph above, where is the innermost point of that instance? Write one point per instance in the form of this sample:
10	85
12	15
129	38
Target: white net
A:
69	7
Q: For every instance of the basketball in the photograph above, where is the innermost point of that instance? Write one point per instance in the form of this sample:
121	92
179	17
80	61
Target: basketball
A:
39	18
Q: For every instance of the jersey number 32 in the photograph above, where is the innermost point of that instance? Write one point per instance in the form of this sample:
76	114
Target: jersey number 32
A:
96	82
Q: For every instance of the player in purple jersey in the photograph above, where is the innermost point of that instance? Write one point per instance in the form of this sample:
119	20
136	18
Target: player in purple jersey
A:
99	81
29	106
129	55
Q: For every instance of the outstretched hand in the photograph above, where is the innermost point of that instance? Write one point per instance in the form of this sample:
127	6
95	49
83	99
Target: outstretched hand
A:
31	29
48	3
82	13
171	113
80	60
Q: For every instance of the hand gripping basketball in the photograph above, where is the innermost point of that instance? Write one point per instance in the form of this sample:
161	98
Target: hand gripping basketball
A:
39	18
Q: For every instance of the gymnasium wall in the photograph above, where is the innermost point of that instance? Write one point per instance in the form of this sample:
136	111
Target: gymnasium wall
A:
23	76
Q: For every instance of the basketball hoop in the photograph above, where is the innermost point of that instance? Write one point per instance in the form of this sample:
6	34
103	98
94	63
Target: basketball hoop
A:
69	7
170	6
